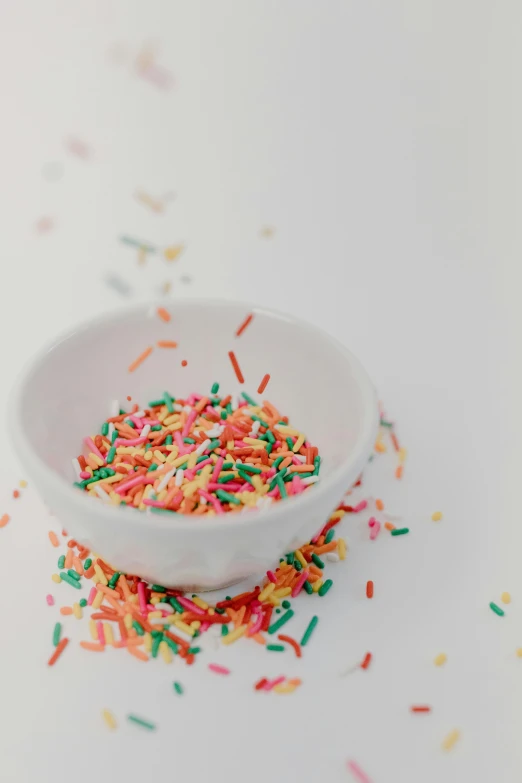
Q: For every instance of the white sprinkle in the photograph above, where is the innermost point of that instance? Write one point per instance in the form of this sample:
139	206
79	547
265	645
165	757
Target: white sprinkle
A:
112	430
165	480
139	414
101	493
118	284
179	477
187	408
202	500
332	557
202	447
77	468
255	429
301	459
115	408
145	431
177	407
310	480
234	402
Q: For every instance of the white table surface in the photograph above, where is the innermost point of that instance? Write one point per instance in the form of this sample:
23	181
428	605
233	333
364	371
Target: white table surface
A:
378	140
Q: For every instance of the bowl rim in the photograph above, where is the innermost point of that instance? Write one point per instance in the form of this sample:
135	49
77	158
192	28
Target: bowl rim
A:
184	522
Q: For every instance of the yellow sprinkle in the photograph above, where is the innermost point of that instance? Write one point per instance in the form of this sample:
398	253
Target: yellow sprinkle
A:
232	637
77	611
184	627
107	632
440	659
96	459
159	456
288	430
274	600
22	483
127	620
282	591
196	624
56	578
98	600
380	447
338	514
151	615
284	688
505	598
155	600
255	442
193	458
519	652
147	642
341	548
171	419
172	252
402	455
299	442
115	498
148	455
93	631
166	652
301	558
99	573
133	599
317	585
265	592
169	618
211	610
436	516
189	488
109	719
450	739
200	602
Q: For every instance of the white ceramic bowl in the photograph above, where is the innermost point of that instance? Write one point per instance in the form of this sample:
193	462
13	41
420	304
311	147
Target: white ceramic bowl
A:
66	392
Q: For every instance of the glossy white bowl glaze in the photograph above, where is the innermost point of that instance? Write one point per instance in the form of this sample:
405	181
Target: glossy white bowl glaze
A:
65	393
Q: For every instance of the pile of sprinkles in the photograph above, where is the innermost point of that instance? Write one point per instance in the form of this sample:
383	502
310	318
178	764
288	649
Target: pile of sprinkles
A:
203	455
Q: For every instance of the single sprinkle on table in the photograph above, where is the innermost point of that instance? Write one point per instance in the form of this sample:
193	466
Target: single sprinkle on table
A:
236	367
244	324
140	359
53	538
172	252
178	688
400	531
4	519
369	589
184	363
436	516
309	630
440	659
218	669
263	384
450	739
145	724
358	773
366	660
505	598
495	608
58	651
163	314
166	344
109	719
422	708
519	652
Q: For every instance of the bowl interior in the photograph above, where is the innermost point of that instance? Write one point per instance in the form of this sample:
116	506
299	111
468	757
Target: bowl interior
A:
67	392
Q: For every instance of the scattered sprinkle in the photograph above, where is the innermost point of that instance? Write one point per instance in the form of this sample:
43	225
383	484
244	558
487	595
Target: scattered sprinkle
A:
166	344
53	538
141	358
263	384
436	516
109	719
4	519
357	772
58	651
366	660
309	630
450	739
519	652
50	600
163	314
178	688
400	531
420	708
505	598
171	253
235	365
184	363
22	483
495	608
78	147
141	722
148	201
292	642
244	325
218	669
267	232
440	659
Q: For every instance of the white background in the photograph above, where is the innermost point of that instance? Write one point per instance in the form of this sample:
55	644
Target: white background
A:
380	139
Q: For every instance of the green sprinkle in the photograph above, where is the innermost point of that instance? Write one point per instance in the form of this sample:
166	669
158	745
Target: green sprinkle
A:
245	476
251	468
277	462
248	398
88	563
227	497
194	650
158	589
223	479
386	423
156	428
329	536
282	620
282	488
202	458
88	481
317	465
224	630
286	604
177	685
400	531
324	588
262	423
275	647
140	722
130	423
105	428
219	610
317	560
297	565
215	388
114	436
270	437
227	465
152	468
497	609
272	484
168	440
61	561
155	632
83	602
177	606
57	632
168	402
307	634
278	611
172	644
70	581
228	408
114	579
156	403
224	415
308	587
290	443
189	440
304	475
213	444
74	574
290	557
122	412
155	645
111	455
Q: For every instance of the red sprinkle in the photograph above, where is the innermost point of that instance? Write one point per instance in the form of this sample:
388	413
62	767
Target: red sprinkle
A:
420	708
244	325
263	384
60	647
235	365
259	685
366	661
369	589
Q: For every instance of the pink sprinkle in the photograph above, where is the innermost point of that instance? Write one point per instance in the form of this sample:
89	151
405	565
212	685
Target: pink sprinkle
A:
138	422
273	493
256	626
92	596
203	463
49	599
299	584
357	772
155	503
141	597
188	424
295	461
218	508
230	486
84	474
101	635
190	605
375	530
297	485
204	627
272	683
131	442
151	608
134	482
371	521
271	576
215	667
360	506
95	450
215	473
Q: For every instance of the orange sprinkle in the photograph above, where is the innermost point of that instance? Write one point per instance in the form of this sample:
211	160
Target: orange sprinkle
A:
235	365
60	647
244	325
398	472
291	641
53	538
92	646
163	314
379	504
141	358
4	519
369	589
68	558
166	344
184	363
321	550
389	526
138	653
259	638
263	384
16	494
66	610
